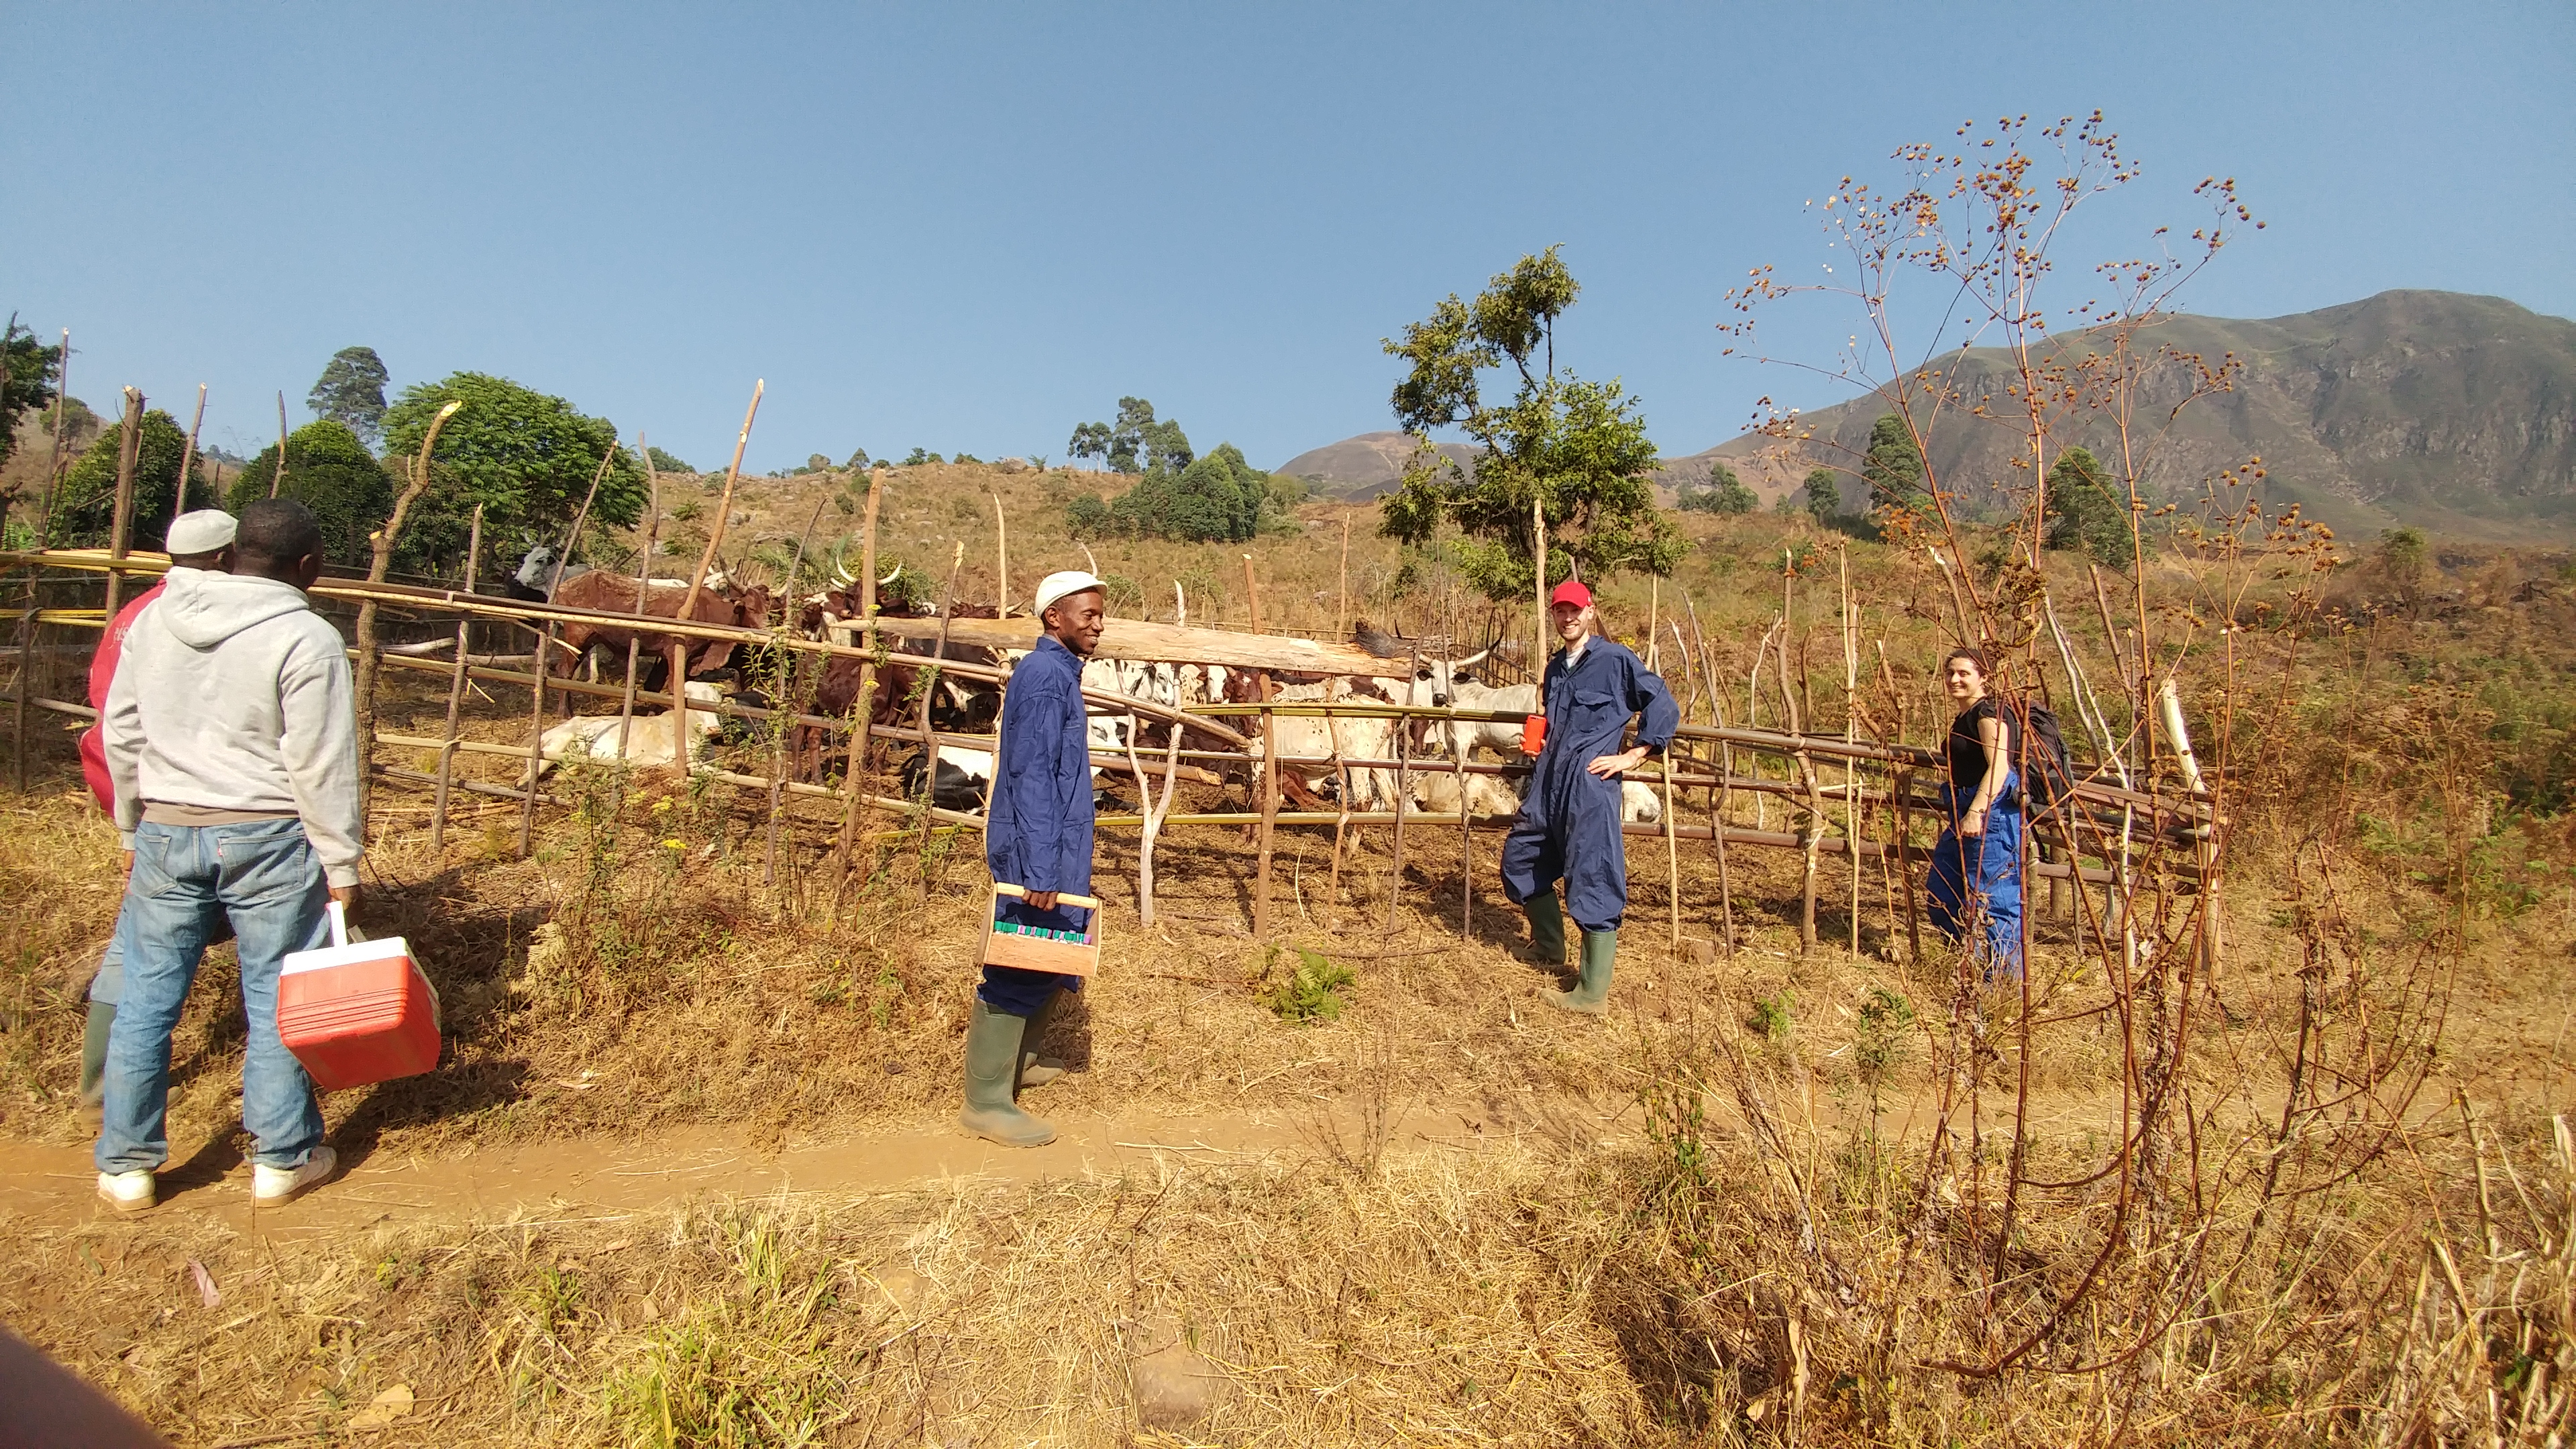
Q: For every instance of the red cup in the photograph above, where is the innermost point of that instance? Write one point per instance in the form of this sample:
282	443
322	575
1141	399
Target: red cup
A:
1533	734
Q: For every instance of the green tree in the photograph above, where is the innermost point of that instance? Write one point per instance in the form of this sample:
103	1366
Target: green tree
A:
1893	467
1087	517
85	509
351	392
527	457
2083	514
2404	560
1725	493
1220	497
1824	495
28	371
330	470
1577	449
665	463
1135	442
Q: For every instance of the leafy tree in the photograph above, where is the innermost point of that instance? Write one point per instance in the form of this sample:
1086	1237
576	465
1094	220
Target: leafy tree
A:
1218	497
2083	514
2404	560
1087	517
1893	467
329	469
526	456
1824	495
1134	442
351	391
1090	440
28	372
1578	449
858	459
85	509
1726	493
665	463
921	456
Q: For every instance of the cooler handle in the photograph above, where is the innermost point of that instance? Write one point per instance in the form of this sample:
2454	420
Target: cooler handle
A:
339	923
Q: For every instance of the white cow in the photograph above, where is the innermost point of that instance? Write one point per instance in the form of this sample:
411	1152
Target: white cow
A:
648	741
1489	796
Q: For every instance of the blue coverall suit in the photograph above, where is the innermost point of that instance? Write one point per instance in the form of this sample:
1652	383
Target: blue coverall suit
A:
1038	830
1568	828
1975	881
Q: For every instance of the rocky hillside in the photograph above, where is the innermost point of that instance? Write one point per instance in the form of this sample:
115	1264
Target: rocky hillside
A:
2449	412
1362	467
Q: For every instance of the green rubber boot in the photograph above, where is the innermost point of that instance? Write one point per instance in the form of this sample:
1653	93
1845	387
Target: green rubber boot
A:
1034	1073
1592	993
1547	930
992	1062
93	1077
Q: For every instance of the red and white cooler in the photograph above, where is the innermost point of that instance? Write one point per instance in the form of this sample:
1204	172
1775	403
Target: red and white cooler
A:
356	1012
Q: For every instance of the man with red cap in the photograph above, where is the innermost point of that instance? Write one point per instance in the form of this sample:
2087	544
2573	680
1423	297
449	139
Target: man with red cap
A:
1569	825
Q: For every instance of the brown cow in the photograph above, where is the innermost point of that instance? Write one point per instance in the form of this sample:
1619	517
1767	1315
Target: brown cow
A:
615	594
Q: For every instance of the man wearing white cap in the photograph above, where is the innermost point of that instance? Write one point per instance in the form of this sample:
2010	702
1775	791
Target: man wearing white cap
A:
232	742
1037	835
203	541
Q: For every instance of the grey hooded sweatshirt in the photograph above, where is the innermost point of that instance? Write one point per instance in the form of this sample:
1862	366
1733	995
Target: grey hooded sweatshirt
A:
233	695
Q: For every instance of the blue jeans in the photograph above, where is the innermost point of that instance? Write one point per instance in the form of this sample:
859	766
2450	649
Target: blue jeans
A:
1975	882
262	876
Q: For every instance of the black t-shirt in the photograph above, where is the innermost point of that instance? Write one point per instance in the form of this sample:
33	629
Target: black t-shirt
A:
1967	752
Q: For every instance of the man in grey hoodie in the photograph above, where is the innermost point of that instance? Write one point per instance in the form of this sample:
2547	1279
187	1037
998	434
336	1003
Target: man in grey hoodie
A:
232	744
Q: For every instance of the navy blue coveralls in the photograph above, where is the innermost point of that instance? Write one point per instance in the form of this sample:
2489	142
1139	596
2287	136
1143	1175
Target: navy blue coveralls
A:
1037	833
1568	828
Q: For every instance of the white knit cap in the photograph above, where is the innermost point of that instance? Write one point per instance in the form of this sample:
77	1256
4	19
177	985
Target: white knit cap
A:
1071	581
203	531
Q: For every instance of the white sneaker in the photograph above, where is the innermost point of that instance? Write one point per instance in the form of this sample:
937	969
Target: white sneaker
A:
276	1186
127	1192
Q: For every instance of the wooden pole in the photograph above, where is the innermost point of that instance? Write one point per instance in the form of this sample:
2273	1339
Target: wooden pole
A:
187	455
455	691
1001	561
1342	596
1538	639
121	523
1851	767
792	701
930	685
1403	792
698	582
1466	831
537	734
380	562
277	480
1269	774
863	710
643	583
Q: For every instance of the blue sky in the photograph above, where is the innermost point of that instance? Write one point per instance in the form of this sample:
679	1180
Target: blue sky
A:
970	227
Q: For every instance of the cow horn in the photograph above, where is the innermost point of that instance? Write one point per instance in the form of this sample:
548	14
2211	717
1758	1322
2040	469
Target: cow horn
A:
892	574
1472	660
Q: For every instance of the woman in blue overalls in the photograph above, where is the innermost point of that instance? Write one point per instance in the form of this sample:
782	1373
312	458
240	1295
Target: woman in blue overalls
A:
1976	864
1568	828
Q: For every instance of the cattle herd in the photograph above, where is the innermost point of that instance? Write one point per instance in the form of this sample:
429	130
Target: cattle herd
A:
1319	756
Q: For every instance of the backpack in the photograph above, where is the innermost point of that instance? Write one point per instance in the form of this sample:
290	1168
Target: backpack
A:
2049	773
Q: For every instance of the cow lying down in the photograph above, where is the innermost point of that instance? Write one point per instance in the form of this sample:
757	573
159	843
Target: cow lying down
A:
648	744
1494	797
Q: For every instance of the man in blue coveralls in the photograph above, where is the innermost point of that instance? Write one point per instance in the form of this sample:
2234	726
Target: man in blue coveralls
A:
1037	835
1569	825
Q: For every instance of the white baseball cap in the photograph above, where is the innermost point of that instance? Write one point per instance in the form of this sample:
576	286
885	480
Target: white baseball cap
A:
1071	581
203	531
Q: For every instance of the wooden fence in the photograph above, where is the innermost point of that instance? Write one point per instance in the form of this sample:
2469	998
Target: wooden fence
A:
1869	813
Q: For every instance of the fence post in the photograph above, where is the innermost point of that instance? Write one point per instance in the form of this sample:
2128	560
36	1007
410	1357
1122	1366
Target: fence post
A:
697	585
121	523
456	689
1269	773
863	710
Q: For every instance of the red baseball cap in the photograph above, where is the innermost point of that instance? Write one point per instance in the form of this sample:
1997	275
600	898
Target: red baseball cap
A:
1572	592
